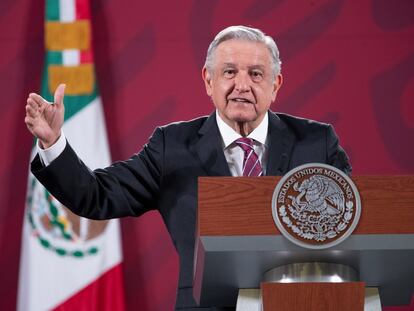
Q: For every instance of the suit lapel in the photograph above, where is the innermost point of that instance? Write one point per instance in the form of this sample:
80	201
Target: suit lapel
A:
209	149
281	141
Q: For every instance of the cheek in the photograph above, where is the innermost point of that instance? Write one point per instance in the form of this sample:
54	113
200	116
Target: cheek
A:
219	95
265	95
219	100
223	87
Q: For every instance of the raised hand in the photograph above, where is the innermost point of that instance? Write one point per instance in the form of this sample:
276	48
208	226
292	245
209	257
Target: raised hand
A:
43	119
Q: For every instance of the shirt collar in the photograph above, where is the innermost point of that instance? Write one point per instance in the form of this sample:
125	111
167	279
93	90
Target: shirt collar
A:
229	135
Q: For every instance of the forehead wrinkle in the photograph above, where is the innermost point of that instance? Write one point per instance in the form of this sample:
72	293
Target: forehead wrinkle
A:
258	66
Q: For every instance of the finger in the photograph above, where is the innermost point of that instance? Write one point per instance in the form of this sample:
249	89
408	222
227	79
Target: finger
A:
51	108
39	100
29	121
30	111
32	103
35	106
34	111
60	93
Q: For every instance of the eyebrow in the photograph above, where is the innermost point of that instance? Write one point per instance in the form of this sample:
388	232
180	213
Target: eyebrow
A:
261	67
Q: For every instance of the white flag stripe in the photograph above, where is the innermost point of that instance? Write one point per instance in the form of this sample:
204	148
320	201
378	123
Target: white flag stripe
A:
71	57
67	12
89	124
84	228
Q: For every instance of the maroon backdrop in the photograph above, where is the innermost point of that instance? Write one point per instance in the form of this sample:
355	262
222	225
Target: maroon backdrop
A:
350	63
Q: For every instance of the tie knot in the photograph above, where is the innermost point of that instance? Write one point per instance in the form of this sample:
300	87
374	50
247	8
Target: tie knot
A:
245	143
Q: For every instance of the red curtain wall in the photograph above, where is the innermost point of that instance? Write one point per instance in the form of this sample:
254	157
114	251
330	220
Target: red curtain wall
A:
350	63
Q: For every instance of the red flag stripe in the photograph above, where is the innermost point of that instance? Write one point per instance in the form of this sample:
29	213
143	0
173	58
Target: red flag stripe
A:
82	9
104	294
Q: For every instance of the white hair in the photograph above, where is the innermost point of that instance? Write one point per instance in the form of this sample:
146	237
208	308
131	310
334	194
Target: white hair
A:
244	33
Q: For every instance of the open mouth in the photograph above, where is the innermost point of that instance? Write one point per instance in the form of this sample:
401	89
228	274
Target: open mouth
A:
240	100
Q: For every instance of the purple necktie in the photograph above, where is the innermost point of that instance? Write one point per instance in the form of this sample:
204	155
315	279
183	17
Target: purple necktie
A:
251	163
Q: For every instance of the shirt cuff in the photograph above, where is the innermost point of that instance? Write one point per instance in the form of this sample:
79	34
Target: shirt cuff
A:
51	153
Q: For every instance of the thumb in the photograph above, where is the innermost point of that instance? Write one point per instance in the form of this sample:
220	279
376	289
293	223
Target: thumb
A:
60	93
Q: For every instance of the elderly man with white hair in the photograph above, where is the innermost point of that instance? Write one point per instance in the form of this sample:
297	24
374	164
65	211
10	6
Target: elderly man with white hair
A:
242	137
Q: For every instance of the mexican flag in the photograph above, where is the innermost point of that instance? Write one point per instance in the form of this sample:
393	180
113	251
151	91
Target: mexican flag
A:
68	262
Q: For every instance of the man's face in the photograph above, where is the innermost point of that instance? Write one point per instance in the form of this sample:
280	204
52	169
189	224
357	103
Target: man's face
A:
242	84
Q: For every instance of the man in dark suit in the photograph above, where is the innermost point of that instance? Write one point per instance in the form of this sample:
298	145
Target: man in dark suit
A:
242	77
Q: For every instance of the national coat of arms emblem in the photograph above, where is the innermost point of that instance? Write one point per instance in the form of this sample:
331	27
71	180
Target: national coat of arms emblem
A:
316	206
59	230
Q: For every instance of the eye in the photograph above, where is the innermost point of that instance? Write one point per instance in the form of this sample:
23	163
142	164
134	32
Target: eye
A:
229	73
256	75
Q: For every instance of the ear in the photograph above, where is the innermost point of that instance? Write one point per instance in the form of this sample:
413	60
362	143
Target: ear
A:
277	84
207	80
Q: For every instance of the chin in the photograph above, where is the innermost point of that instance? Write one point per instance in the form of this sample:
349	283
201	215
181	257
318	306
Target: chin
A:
243	118
242	114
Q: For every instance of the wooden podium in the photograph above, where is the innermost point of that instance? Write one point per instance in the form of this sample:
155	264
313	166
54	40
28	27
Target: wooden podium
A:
237	242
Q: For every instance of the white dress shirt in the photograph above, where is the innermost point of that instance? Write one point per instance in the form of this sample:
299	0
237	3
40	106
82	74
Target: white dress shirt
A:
51	153
235	154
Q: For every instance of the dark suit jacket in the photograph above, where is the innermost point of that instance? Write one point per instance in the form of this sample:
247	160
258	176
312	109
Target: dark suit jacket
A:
163	176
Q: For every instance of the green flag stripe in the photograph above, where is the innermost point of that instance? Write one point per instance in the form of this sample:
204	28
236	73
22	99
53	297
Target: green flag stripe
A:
54	58
52	10
73	104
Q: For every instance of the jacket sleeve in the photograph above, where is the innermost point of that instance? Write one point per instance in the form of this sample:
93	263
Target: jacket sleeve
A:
127	188
336	155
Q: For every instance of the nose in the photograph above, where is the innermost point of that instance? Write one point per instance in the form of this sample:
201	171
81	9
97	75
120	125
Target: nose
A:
242	82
